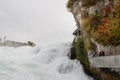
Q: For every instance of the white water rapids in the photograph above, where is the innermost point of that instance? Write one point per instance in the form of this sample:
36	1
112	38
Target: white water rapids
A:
40	63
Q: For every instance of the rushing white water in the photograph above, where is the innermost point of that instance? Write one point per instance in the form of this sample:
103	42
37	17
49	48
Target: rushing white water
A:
40	63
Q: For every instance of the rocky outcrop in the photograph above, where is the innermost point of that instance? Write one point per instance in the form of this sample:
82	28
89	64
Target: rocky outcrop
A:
15	44
90	46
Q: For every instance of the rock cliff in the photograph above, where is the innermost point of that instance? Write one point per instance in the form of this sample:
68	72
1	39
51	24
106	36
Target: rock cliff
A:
10	43
98	21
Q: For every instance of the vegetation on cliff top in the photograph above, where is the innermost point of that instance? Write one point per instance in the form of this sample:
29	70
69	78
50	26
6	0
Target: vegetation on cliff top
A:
85	3
70	3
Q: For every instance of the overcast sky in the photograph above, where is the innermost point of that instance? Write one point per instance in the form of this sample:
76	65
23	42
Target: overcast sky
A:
40	21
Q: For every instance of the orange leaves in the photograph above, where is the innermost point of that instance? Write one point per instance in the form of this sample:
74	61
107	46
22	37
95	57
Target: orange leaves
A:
104	27
102	34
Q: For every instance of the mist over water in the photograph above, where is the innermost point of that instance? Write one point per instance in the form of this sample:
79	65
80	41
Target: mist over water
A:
40	63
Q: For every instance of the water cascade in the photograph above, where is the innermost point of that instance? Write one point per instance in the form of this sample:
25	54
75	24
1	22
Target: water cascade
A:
40	63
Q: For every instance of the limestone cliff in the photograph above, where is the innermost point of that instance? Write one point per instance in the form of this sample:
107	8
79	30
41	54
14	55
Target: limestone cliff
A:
99	23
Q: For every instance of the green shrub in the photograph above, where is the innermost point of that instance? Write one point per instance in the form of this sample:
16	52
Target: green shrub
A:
81	52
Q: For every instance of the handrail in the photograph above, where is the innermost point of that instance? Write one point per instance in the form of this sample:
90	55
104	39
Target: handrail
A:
105	61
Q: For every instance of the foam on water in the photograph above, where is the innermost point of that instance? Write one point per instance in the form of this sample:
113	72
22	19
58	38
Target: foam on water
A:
40	63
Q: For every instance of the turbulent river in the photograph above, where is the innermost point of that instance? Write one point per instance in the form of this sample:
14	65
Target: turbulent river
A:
40	63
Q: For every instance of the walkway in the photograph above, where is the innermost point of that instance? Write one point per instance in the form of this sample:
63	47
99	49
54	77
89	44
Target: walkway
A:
106	61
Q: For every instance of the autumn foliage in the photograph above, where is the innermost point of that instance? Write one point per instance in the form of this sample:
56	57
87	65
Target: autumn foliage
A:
102	34
106	31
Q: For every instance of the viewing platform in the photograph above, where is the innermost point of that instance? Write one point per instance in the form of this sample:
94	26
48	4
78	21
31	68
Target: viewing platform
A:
106	61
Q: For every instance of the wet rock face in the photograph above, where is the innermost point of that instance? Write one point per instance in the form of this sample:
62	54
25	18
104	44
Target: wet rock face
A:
72	54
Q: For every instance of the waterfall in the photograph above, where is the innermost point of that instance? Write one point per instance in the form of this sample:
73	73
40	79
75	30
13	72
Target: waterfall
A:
40	63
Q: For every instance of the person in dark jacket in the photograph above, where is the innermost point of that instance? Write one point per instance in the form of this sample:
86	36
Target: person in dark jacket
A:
101	53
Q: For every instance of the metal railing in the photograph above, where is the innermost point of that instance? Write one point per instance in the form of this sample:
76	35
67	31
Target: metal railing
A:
105	61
